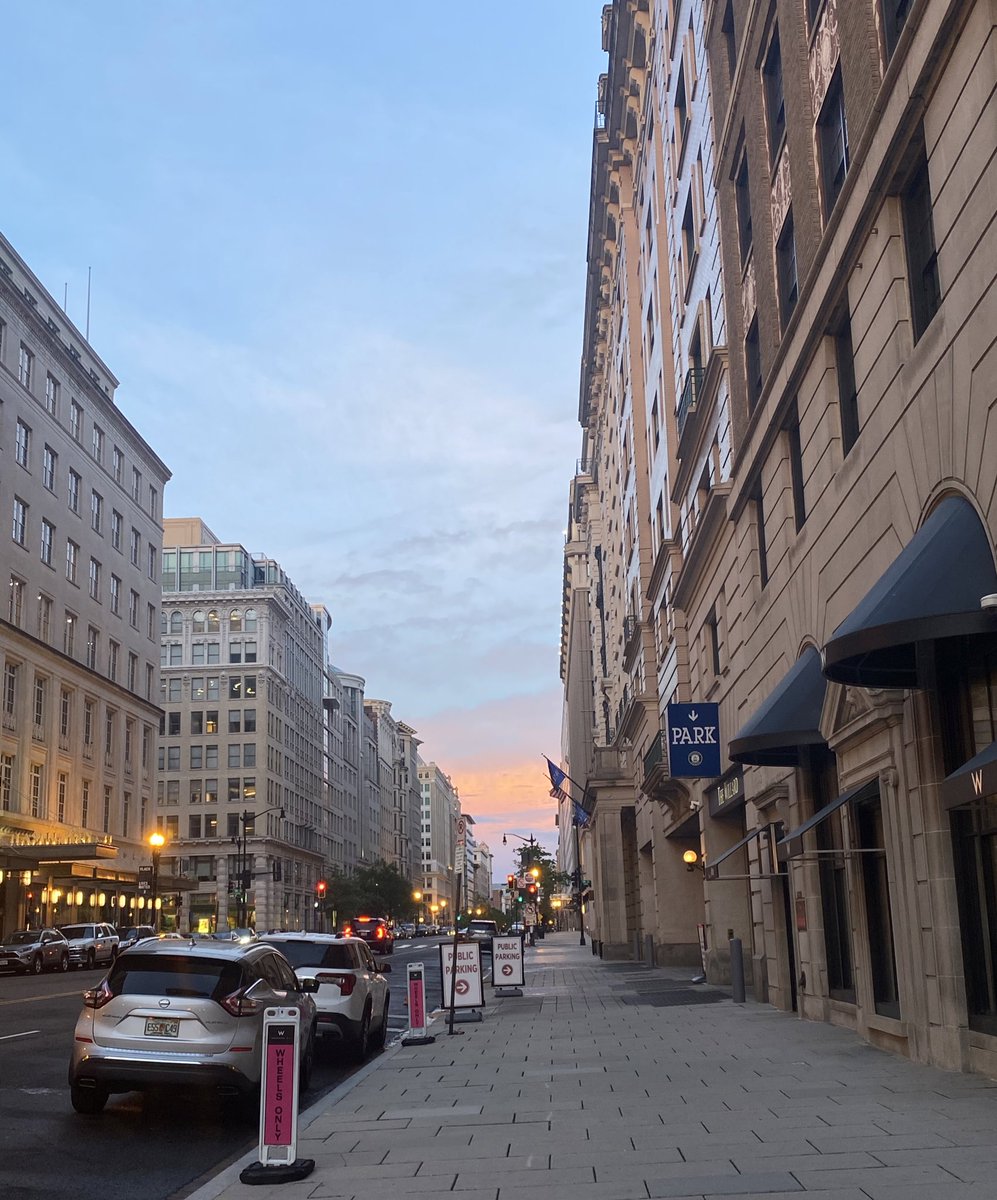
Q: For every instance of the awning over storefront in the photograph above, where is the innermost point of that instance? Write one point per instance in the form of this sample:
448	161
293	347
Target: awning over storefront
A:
976	778
931	590
795	835
712	866
787	720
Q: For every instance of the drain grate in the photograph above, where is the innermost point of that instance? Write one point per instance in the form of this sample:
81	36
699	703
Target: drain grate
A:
672	998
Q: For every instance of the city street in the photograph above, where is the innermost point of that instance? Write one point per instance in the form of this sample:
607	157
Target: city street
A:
156	1146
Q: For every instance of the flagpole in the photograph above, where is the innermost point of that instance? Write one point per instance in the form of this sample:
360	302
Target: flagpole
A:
583	790
575	805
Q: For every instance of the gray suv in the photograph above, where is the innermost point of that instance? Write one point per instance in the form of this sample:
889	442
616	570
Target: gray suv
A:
175	1014
90	945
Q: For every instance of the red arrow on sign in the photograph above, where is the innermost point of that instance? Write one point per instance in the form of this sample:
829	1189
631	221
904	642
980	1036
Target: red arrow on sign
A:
462	987
507	969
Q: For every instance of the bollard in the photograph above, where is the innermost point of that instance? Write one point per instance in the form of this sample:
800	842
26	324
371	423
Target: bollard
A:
736	971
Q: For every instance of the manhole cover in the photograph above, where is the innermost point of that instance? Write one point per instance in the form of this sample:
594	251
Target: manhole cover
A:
673	998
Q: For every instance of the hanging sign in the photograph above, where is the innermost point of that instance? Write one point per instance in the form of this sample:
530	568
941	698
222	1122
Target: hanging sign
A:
507	962
467	989
694	741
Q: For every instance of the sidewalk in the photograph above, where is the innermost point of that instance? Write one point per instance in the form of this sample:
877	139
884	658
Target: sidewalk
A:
597	1086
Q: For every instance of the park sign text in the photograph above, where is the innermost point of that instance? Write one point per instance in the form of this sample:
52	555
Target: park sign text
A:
693	741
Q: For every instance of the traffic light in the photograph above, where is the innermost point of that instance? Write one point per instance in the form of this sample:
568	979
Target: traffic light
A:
531	889
321	888
510	881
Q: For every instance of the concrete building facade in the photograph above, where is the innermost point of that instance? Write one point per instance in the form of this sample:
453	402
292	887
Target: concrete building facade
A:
440	813
81	496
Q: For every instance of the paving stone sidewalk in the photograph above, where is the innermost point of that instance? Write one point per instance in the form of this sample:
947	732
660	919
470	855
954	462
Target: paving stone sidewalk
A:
608	1081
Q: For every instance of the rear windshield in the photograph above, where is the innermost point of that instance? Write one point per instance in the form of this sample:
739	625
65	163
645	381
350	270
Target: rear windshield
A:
484	926
174	975
317	954
77	931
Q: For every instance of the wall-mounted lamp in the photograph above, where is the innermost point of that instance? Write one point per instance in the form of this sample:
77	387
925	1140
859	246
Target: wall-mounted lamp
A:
691	860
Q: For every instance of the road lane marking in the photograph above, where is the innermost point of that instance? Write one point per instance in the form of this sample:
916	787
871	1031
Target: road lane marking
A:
44	996
9	1037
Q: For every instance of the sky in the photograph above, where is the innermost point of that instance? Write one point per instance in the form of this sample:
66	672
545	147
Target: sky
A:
338	265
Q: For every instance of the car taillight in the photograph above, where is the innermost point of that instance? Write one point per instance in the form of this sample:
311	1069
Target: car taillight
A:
380	932
345	983
99	996
348	931
239	1006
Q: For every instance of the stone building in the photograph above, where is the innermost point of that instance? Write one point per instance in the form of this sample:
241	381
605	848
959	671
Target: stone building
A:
81	494
440	812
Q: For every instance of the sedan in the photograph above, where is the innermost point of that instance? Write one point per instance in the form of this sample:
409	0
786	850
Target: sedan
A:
35	950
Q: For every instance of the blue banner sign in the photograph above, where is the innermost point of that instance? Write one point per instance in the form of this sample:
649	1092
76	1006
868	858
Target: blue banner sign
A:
694	741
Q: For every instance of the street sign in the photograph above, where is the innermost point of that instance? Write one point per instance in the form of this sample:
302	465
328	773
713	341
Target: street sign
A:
467	989
693	741
277	1154
507	962
531	915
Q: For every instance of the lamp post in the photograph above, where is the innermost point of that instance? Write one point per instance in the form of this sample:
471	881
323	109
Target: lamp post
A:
244	874
156	842
417	897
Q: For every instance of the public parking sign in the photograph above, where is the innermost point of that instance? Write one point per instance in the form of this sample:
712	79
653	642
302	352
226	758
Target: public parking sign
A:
507	962
694	741
467	989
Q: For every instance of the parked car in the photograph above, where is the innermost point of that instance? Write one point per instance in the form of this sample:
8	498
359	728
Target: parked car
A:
353	996
404	931
90	945
235	935
34	951
374	931
128	935
481	931
187	1016
421	930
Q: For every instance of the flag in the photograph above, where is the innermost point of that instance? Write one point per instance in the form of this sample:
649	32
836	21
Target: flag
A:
557	778
581	816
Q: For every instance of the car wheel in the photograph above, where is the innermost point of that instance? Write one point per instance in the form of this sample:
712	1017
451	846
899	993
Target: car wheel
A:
361	1042
91	959
64	962
36	965
307	1062
382	1033
88	1101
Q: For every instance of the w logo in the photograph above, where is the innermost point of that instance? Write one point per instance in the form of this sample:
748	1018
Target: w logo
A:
977	777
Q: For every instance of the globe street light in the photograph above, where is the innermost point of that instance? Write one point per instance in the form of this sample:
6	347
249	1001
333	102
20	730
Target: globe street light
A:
156	842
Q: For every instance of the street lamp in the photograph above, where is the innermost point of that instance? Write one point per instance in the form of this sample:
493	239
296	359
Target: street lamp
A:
244	875
156	842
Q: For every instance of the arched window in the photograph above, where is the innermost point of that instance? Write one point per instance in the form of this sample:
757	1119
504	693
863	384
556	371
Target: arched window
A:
176	621
212	620
199	621
164	625
250	621
235	621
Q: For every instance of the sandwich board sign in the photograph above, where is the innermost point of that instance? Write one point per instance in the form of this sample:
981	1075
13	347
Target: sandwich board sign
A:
466	988
507	962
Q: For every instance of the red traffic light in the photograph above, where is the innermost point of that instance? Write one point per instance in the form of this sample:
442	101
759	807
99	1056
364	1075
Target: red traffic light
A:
532	889
321	888
510	880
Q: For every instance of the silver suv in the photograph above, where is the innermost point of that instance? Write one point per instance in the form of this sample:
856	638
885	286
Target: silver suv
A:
172	1014
90	945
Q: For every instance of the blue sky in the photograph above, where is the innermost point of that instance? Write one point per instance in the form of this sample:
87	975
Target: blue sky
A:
338	258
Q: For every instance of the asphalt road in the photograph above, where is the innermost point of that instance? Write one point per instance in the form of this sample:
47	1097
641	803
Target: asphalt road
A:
149	1146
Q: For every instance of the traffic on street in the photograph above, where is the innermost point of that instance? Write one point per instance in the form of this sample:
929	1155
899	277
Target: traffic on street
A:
130	1148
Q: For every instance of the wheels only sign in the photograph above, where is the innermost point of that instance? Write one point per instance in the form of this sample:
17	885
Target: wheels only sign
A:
694	741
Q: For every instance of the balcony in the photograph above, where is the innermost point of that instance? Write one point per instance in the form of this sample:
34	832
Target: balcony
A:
690	397
655	765
631	640
9	720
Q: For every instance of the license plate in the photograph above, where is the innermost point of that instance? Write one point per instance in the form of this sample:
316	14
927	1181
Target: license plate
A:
156	1027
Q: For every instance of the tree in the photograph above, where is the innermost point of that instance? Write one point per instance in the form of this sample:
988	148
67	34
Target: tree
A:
378	890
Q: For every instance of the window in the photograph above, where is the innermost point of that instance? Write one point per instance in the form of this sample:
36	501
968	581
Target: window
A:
69	641
196	758
211	756
249	754
785	255
93	642
844	360
919	240
106	821
73	495
116	521
135	547
136	485
41	694
19	524
75	421
235	688
211	720
895	14
49	462
173	758
176	622
52	395
112	660
15	605
22	444
88	718
194	827
791	429
250	690
153	565
249	720
211	792
36	789
235	720
94	579
742	199
72	557
133	603
10	677
85	803
235	652
197	723
832	142
689	244
833	881
176	654
25	366
48	540
234	793
775	100
132	671
753	365
681	112
153	501
234	755
198	620
212	625
6	780
65	713
730	39
871	837
117	463
96	512
758	510
97	444
249	624
44	617
151	621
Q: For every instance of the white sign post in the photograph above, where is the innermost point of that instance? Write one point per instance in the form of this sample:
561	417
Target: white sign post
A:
508	972
465	986
418	1034
278	1149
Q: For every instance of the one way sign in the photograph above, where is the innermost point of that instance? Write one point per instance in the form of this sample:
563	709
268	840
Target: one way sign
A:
694	741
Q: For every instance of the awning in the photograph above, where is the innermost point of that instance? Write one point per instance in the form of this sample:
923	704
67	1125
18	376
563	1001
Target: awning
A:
711	867
931	590
976	778
788	719
823	813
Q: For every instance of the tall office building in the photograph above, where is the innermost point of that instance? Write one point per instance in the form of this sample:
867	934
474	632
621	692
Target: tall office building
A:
242	796
81	493
440	812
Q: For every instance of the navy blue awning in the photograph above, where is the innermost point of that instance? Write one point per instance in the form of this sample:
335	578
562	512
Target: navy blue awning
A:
931	590
787	720
973	779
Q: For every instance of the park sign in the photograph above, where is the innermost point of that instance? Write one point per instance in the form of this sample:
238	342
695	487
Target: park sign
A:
693	741
466	989
507	962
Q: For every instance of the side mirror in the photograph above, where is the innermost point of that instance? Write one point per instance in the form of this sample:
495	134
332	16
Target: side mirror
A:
384	968
308	985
